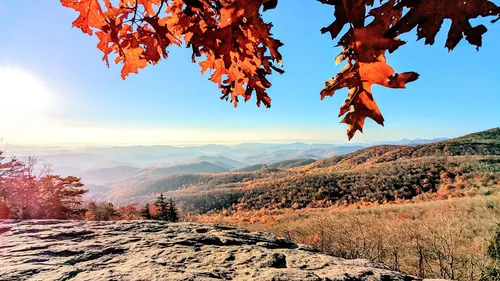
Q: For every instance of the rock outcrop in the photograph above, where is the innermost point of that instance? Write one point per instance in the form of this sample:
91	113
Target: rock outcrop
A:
152	250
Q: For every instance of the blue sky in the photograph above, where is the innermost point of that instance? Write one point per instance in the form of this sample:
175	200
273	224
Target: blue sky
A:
87	103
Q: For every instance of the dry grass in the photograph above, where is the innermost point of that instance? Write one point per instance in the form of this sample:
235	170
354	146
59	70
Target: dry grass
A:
438	239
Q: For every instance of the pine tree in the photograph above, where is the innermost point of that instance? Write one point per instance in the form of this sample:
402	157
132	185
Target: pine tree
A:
172	213
146	213
162	205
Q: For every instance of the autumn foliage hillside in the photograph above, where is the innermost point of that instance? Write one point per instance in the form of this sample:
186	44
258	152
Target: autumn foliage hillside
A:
482	143
447	239
464	166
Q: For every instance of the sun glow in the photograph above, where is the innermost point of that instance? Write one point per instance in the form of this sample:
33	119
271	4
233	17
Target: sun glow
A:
21	93
25	101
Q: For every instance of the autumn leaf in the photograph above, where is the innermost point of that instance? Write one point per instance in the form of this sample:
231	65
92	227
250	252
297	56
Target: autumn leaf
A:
428	16
364	50
149	6
346	12
133	61
270	4
239	11
91	14
359	78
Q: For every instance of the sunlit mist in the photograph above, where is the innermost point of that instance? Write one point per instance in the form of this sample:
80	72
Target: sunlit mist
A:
22	93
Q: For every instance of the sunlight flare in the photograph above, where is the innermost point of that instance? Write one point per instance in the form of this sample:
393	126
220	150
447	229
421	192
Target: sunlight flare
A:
22	93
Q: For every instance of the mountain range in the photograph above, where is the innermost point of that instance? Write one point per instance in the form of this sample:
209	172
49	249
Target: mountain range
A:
102	165
383	173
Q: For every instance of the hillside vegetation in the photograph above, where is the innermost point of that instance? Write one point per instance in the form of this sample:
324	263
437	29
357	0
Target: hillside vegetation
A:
447	239
469	165
429	238
199	176
286	164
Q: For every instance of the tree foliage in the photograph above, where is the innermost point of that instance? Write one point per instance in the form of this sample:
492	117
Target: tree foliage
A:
162	208
231	38
173	214
165	209
30	192
146	213
101	211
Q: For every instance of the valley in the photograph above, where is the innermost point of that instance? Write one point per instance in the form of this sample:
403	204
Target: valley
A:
290	176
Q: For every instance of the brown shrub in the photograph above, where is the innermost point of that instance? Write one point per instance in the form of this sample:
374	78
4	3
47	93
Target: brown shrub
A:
440	239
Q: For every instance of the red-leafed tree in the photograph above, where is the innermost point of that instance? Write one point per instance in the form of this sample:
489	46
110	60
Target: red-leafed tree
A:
129	212
29	192
230	38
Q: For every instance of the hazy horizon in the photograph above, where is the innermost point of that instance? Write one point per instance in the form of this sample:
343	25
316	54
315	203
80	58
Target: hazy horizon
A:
227	143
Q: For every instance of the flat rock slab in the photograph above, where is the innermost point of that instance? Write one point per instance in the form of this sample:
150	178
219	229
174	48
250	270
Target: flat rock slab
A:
154	250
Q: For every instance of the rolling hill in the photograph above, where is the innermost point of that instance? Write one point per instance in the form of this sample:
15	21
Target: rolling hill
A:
155	180
108	174
220	161
193	168
286	164
467	165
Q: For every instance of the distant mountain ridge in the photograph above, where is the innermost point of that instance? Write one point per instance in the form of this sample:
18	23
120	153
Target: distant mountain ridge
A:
107	164
221	161
286	164
411	141
481	143
194	168
374	174
108	174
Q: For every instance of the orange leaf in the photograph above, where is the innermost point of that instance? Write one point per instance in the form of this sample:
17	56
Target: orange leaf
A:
133	61
428	16
91	15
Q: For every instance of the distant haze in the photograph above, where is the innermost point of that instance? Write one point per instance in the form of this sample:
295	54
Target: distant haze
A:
101	166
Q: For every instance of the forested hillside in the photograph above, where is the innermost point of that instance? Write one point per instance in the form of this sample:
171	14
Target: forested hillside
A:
468	165
287	164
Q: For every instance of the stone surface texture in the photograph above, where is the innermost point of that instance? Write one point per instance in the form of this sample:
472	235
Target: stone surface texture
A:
153	250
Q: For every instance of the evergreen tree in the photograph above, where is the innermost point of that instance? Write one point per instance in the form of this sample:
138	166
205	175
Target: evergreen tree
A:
145	213
172	213
161	204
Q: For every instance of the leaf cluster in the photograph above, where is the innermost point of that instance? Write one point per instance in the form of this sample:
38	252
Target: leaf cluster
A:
230	38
